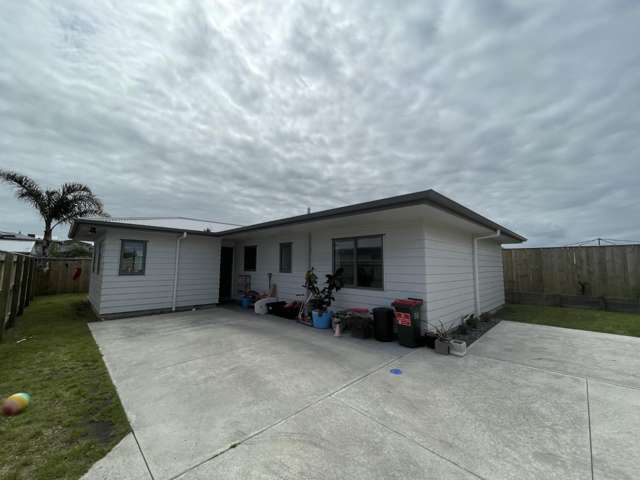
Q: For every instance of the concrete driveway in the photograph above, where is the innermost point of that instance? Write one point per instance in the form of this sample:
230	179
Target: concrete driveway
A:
222	393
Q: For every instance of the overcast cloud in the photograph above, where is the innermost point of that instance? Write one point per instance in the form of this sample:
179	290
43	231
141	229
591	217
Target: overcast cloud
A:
241	111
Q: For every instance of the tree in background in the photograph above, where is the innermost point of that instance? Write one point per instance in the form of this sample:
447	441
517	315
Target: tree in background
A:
63	205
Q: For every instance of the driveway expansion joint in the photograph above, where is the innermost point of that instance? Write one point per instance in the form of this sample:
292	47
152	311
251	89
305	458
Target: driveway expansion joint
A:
586	382
448	460
297	412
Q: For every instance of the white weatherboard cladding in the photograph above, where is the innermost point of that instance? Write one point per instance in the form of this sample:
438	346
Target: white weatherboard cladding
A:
449	274
268	261
154	289
95	279
199	273
403	262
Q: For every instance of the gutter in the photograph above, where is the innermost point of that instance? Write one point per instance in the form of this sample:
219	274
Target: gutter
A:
176	270
476	276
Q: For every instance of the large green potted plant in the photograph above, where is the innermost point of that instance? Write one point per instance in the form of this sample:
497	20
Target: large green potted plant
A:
321	299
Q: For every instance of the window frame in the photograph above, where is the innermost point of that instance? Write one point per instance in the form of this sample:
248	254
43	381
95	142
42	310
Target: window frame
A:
244	259
281	245
144	257
355	259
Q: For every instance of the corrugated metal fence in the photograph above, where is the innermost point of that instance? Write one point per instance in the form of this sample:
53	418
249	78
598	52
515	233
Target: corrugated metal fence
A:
22	277
605	277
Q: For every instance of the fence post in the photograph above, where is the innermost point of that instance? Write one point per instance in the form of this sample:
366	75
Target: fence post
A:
5	270
24	279
28	289
15	290
7	287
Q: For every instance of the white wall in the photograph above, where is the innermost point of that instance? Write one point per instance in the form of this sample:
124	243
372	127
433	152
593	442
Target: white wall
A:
199	273
95	279
154	290
449	274
403	262
268	261
491	275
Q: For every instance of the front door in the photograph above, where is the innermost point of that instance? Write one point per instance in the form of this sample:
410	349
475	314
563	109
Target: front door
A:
226	273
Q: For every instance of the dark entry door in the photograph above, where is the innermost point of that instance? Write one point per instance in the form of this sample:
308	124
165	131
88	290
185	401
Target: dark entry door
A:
226	273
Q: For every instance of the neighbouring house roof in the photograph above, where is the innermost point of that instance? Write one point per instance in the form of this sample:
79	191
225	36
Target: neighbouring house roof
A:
16	236
16	242
427	197
178	224
16	246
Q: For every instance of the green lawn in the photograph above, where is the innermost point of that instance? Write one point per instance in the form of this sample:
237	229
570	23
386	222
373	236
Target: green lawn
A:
580	319
75	416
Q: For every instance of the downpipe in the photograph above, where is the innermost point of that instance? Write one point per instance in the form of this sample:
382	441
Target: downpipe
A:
176	270
476	275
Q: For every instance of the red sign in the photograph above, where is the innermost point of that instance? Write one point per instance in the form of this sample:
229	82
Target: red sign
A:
403	319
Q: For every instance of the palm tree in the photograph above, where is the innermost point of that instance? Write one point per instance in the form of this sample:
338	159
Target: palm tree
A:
70	201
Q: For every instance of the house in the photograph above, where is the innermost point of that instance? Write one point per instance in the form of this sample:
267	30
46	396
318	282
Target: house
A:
16	242
63	248
420	245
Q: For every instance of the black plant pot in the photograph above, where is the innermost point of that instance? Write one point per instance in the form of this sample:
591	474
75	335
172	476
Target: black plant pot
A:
430	341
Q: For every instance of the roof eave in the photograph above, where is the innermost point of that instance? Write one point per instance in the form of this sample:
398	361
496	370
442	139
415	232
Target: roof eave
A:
427	197
76	223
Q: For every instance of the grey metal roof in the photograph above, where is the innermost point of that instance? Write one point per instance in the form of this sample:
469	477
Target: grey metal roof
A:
178	224
17	246
426	197
218	229
16	236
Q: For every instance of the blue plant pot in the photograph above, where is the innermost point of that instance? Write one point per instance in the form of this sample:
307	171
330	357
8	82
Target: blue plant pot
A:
321	320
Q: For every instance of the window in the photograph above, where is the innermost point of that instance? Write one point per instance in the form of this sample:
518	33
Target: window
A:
361	259
133	257
285	257
250	255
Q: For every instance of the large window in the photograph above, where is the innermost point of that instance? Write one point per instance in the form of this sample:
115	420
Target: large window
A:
361	259
133	257
285	257
250	256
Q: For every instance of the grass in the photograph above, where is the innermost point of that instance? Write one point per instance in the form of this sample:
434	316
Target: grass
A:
577	318
75	416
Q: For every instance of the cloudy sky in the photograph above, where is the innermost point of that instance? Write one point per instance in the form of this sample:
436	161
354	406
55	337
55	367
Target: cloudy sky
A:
241	111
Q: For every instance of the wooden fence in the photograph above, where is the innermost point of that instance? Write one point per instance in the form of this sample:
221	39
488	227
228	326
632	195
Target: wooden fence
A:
62	275
22	277
605	277
16	287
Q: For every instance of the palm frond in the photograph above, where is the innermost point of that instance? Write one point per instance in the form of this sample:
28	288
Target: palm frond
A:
26	189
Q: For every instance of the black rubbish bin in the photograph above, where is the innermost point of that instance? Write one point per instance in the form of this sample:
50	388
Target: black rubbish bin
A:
409	321
383	324
360	325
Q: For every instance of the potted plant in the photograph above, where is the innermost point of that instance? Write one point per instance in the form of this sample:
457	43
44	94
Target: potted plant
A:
319	300
430	340
442	340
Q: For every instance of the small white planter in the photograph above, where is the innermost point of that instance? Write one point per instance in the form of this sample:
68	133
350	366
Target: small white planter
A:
458	348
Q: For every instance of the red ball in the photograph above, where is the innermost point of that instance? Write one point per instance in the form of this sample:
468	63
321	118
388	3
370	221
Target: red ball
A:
10	408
